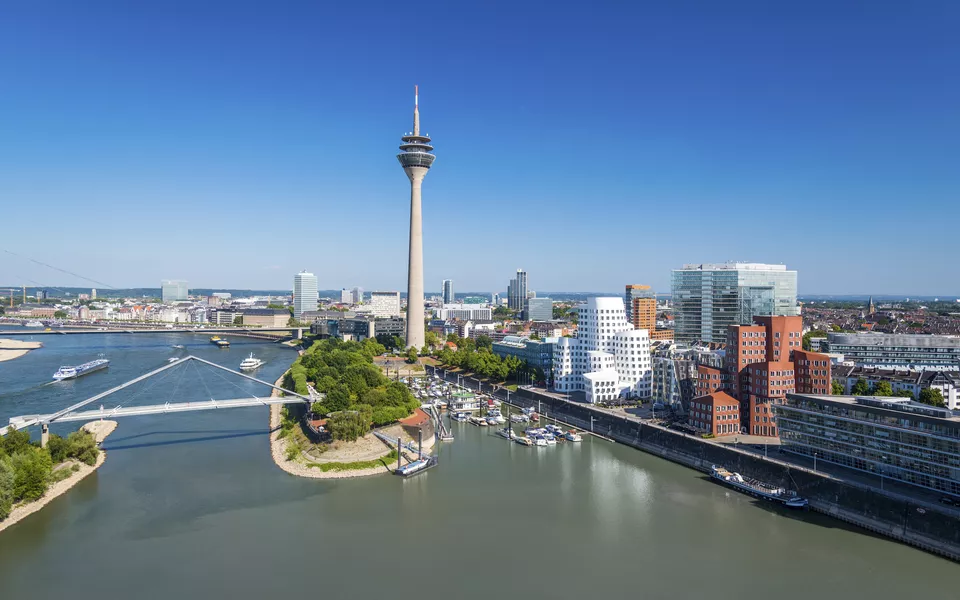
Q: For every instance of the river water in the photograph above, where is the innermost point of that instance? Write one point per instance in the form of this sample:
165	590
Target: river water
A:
191	505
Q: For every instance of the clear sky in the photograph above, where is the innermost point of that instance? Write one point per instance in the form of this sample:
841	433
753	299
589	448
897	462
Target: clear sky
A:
594	144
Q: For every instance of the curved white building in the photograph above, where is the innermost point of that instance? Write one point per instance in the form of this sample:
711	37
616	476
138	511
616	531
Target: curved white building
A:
608	359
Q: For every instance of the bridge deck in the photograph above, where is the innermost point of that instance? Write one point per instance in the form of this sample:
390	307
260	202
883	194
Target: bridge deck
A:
153	409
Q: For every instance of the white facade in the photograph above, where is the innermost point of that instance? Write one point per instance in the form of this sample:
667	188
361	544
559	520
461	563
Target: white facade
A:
346	296
608	359
304	293
173	290
465	312
385	304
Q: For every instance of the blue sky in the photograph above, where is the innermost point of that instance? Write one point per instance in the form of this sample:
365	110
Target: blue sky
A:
593	144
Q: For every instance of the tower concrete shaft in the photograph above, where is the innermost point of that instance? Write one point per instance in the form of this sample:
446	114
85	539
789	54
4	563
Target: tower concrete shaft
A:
415	326
416	158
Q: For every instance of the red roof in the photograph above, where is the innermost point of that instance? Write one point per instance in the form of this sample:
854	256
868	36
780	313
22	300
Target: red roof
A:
417	419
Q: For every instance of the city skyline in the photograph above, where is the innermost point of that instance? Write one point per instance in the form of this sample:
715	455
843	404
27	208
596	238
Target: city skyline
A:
838	127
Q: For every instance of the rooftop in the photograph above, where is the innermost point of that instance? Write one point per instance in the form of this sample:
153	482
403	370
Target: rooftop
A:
891	403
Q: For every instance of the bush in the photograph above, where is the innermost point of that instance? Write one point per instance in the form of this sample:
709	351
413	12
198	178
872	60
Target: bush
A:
15	441
57	446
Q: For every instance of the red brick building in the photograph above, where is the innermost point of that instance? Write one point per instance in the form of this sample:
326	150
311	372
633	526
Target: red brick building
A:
710	380
762	365
717	413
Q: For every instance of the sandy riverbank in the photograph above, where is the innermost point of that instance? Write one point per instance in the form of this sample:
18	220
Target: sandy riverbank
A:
11	349
100	430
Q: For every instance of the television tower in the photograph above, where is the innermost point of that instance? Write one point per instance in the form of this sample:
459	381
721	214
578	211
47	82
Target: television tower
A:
416	158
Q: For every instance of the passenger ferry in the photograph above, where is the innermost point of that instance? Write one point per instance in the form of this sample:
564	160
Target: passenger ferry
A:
33	324
74	372
757	488
250	363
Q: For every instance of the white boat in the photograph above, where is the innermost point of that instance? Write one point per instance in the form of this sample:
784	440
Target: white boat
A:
178	346
550	438
572	436
538	440
74	372
461	417
519	418
33	324
523	440
506	432
250	363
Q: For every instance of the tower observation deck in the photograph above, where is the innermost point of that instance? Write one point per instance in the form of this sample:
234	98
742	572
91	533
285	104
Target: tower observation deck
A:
415	151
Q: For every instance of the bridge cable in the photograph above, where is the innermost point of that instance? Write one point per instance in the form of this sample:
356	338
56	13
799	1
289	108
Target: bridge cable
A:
200	374
149	386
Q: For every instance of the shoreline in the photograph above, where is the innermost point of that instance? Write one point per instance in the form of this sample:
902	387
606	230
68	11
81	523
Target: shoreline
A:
22	511
278	449
12	349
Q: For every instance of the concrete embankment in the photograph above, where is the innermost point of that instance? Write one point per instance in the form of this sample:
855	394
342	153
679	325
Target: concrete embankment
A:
100	430
11	349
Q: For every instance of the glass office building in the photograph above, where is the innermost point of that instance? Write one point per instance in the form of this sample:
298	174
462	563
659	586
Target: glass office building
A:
895	438
709	298
539	309
173	290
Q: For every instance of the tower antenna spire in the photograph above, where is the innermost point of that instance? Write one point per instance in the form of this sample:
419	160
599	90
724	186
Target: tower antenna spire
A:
416	110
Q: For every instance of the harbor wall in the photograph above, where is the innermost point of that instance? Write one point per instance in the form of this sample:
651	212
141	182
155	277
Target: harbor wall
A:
897	518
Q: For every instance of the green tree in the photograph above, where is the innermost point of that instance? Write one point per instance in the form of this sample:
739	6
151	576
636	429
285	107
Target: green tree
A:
238	320
534	336
904	394
484	342
348	425
837	388
57	447
15	441
431	339
932	396
6	485
882	388
411	355
60	314
31	473
860	388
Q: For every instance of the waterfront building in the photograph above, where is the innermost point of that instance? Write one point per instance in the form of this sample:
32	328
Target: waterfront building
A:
347	327
641	305
266	317
536	353
517	292
902	381
896	350
416	158
173	290
708	298
608	359
765	362
385	304
305	293
894	438
464	312
346	296
539	309
717	414
447	293
674	375
225	316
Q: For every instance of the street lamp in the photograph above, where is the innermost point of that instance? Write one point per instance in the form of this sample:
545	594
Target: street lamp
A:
591	423
815	461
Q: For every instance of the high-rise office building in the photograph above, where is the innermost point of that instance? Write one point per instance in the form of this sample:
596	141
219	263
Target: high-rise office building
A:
641	304
93	294
448	296
346	296
304	293
356	295
539	309
173	290
416	158
517	292
709	298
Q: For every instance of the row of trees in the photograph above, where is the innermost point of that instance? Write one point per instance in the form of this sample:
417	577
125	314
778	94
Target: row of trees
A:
26	470
477	356
931	396
353	387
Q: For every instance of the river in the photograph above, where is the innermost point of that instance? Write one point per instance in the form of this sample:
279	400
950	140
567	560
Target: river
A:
191	505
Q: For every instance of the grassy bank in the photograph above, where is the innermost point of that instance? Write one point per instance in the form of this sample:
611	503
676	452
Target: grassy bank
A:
383	461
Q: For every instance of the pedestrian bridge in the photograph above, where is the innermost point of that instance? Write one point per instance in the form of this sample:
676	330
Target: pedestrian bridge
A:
73	412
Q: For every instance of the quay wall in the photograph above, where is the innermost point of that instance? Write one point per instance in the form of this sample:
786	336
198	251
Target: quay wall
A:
897	518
